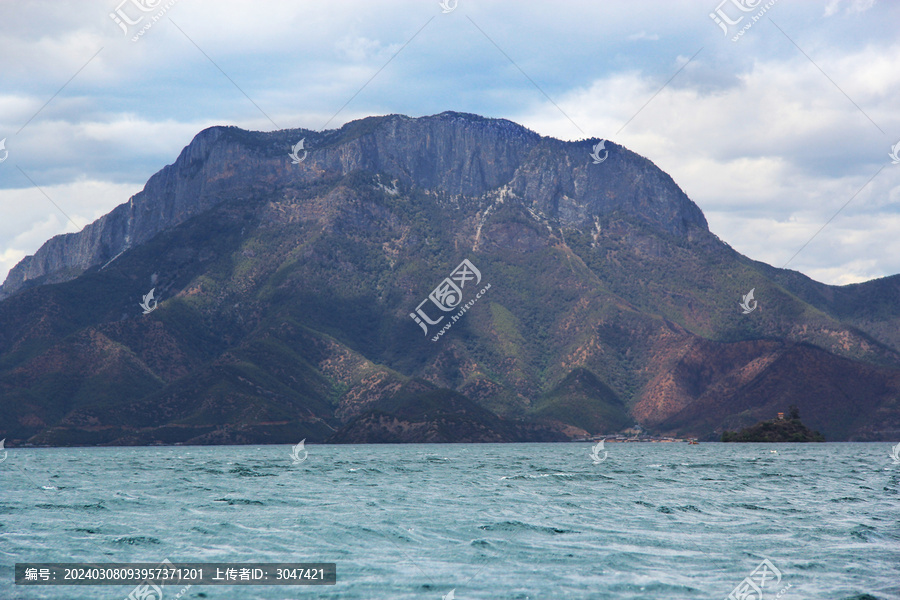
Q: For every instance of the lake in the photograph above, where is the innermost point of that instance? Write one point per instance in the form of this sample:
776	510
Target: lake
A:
516	521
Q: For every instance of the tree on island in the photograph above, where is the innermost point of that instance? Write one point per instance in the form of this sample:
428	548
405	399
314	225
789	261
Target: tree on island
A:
776	430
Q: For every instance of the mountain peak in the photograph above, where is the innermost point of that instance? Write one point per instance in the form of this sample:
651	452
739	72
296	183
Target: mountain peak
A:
457	155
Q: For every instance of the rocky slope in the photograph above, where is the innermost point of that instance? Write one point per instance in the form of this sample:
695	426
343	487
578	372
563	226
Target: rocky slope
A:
286	293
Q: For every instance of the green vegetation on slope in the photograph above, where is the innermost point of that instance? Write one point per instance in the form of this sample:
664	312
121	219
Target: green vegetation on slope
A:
584	401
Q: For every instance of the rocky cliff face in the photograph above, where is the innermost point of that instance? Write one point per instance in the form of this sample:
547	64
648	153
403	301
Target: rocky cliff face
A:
194	183
460	157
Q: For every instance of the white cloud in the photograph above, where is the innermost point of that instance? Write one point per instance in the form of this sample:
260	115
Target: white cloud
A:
854	6
643	35
770	159
29	218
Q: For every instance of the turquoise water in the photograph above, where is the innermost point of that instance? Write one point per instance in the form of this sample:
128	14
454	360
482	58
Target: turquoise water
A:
517	521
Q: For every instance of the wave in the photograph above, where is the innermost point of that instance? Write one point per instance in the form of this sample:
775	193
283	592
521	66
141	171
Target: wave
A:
563	476
234	501
138	540
85	507
248	472
519	526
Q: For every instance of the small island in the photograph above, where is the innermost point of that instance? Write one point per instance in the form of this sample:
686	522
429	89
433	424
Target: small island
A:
776	430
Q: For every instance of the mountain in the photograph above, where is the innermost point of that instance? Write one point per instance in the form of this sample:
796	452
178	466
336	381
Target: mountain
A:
444	278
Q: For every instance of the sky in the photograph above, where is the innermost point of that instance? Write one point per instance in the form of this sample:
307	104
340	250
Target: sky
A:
778	121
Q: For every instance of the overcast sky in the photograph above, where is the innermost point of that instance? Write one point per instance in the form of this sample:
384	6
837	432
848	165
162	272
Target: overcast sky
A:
771	133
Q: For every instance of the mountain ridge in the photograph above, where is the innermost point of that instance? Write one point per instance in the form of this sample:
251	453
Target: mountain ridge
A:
184	189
